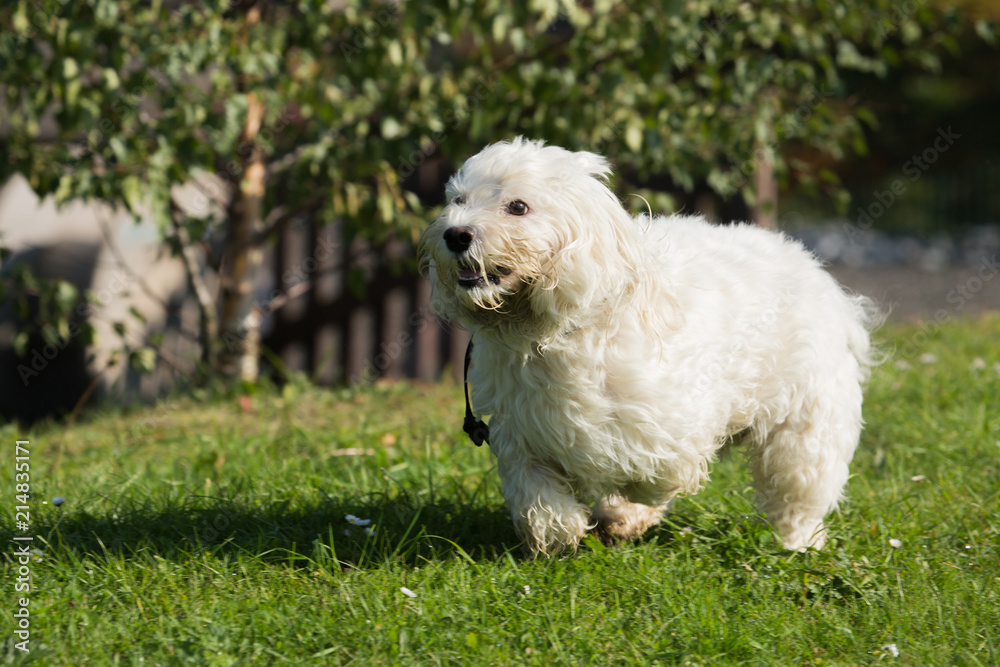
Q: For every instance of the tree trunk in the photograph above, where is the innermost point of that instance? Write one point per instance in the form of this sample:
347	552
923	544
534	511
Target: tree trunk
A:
242	256
765	212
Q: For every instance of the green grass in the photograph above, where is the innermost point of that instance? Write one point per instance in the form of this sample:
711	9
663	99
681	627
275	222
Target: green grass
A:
202	533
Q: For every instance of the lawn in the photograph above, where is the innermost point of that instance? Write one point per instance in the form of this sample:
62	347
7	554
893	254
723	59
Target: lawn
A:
213	530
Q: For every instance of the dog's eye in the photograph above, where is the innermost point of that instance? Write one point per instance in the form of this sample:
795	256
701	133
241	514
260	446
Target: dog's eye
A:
458	201
517	207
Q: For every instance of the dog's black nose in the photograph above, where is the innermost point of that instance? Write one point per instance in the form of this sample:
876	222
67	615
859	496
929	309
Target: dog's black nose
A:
458	239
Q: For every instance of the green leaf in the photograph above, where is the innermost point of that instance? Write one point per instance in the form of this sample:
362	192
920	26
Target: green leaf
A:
111	79
70	68
118	148
394	52
290	392
50	333
633	135
143	359
987	32
132	192
21	343
829	176
66	296
391	128
593	543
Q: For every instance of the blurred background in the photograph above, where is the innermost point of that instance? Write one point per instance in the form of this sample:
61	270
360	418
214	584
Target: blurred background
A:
231	192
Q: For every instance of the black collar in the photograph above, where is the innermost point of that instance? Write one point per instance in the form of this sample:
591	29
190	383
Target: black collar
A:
477	430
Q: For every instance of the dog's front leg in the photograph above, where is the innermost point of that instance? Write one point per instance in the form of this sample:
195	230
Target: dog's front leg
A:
546	513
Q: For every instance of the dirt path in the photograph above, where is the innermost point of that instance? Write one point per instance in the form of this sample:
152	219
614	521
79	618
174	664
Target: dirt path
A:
911	293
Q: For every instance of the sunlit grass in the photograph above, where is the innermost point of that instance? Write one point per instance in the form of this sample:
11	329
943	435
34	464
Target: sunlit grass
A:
215	531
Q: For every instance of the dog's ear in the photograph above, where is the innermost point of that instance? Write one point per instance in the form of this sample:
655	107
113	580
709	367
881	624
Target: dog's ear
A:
593	164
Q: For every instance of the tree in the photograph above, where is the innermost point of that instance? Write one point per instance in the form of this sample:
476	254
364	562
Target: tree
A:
283	108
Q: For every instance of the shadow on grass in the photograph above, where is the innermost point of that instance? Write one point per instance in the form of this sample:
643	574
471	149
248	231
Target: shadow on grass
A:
401	530
395	527
409	531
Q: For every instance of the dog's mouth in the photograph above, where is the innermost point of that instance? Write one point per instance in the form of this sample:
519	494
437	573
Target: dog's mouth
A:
471	277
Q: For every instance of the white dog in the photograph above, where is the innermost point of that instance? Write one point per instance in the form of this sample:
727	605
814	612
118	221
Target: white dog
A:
616	356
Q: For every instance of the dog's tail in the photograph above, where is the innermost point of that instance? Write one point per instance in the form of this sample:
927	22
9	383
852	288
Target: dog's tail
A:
864	318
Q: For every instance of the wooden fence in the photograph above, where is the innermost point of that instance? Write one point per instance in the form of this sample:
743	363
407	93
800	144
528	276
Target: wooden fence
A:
359	314
356	312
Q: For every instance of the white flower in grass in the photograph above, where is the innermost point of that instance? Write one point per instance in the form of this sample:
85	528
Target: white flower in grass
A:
355	521
527	589
917	478
407	592
891	649
903	365
894	543
978	364
928	358
37	555
369	531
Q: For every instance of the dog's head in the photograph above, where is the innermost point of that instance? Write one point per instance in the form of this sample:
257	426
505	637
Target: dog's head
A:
530	234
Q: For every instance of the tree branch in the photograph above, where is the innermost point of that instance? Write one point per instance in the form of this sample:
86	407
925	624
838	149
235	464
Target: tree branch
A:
120	258
288	160
282	215
208	327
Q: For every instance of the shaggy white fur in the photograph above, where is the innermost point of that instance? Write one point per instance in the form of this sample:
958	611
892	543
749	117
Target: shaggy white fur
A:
616	356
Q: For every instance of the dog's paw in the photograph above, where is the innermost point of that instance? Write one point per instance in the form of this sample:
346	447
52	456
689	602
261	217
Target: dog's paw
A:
619	521
547	534
612	535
